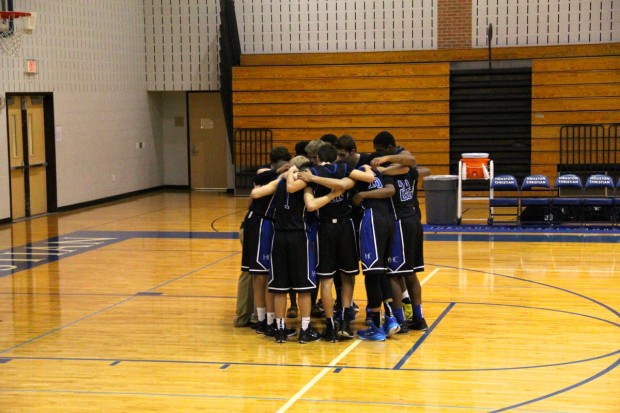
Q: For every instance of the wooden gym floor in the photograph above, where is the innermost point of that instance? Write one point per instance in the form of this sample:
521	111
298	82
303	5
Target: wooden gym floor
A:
128	307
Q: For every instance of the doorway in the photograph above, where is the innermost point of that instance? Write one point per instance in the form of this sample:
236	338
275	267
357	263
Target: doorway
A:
209	154
31	154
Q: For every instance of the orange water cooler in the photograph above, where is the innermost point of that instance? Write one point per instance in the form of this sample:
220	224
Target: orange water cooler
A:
472	166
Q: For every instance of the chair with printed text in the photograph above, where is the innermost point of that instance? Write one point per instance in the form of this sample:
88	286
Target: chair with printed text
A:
504	203
617	203
600	208
567	204
536	195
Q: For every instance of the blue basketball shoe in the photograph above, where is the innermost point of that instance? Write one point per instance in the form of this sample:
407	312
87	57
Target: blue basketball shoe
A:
390	326
372	333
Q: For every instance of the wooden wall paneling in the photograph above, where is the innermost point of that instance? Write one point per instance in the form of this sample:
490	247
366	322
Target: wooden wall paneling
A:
365	82
309	96
569	77
359	108
546	144
545	132
576	90
301	97
345	121
545	157
566	118
550	171
340	71
578	64
425	56
364	134
576	104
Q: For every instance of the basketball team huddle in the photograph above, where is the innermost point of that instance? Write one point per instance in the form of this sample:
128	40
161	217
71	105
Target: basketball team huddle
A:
314	218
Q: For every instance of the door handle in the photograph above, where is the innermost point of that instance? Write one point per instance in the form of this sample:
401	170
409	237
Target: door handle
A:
32	165
13	168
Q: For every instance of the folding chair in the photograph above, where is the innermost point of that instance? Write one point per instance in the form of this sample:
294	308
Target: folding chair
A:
501	205
617	202
537	203
567	208
600	209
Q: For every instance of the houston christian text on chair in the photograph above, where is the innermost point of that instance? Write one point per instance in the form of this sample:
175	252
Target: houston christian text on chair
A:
567	205
504	197
599	208
536	197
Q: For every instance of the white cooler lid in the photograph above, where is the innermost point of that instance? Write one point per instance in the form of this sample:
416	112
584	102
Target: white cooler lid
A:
475	155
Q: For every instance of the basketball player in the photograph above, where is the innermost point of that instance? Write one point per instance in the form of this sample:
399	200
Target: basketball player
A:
258	232
337	240
407	257
292	255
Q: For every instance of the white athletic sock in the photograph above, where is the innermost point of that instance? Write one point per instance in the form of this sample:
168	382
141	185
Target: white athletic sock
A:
305	322
270	318
260	313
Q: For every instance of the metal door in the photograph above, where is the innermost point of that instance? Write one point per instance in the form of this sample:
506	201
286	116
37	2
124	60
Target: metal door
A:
208	142
27	155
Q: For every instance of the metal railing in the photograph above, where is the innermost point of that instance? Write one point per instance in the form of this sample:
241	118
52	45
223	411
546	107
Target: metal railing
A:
251	151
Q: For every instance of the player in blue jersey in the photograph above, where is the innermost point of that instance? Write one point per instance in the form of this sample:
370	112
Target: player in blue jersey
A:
407	258
258	231
376	231
312	220
292	255
337	240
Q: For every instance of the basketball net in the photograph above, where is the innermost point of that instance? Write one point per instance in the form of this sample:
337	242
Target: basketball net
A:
13	27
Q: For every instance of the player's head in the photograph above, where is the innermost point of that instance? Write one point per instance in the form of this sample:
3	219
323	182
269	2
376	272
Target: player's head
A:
347	143
300	148
384	143
300	161
278	154
347	150
327	153
329	138
312	149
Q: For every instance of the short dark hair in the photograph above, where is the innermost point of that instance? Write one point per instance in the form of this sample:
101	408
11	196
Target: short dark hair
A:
347	143
327	153
384	139
279	153
329	138
300	148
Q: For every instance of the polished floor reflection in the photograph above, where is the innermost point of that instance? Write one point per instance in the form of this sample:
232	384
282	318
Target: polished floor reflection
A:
128	307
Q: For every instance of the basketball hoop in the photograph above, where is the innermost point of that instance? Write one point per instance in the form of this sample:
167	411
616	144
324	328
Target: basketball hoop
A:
13	26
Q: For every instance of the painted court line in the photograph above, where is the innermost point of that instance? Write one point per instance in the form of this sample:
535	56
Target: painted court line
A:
326	370
318	377
428	277
423	337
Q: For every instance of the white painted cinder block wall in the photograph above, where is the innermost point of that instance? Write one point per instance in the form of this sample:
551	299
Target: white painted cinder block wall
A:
119	69
91	57
106	83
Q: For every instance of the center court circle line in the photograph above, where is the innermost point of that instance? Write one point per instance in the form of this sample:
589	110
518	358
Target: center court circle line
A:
585	297
575	385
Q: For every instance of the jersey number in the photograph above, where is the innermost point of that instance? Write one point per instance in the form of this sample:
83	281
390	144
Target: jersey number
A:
405	191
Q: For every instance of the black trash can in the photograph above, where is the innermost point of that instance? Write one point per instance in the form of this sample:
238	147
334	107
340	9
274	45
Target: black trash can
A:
440	193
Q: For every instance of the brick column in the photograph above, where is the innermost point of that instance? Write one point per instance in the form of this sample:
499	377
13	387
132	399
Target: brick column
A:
454	24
